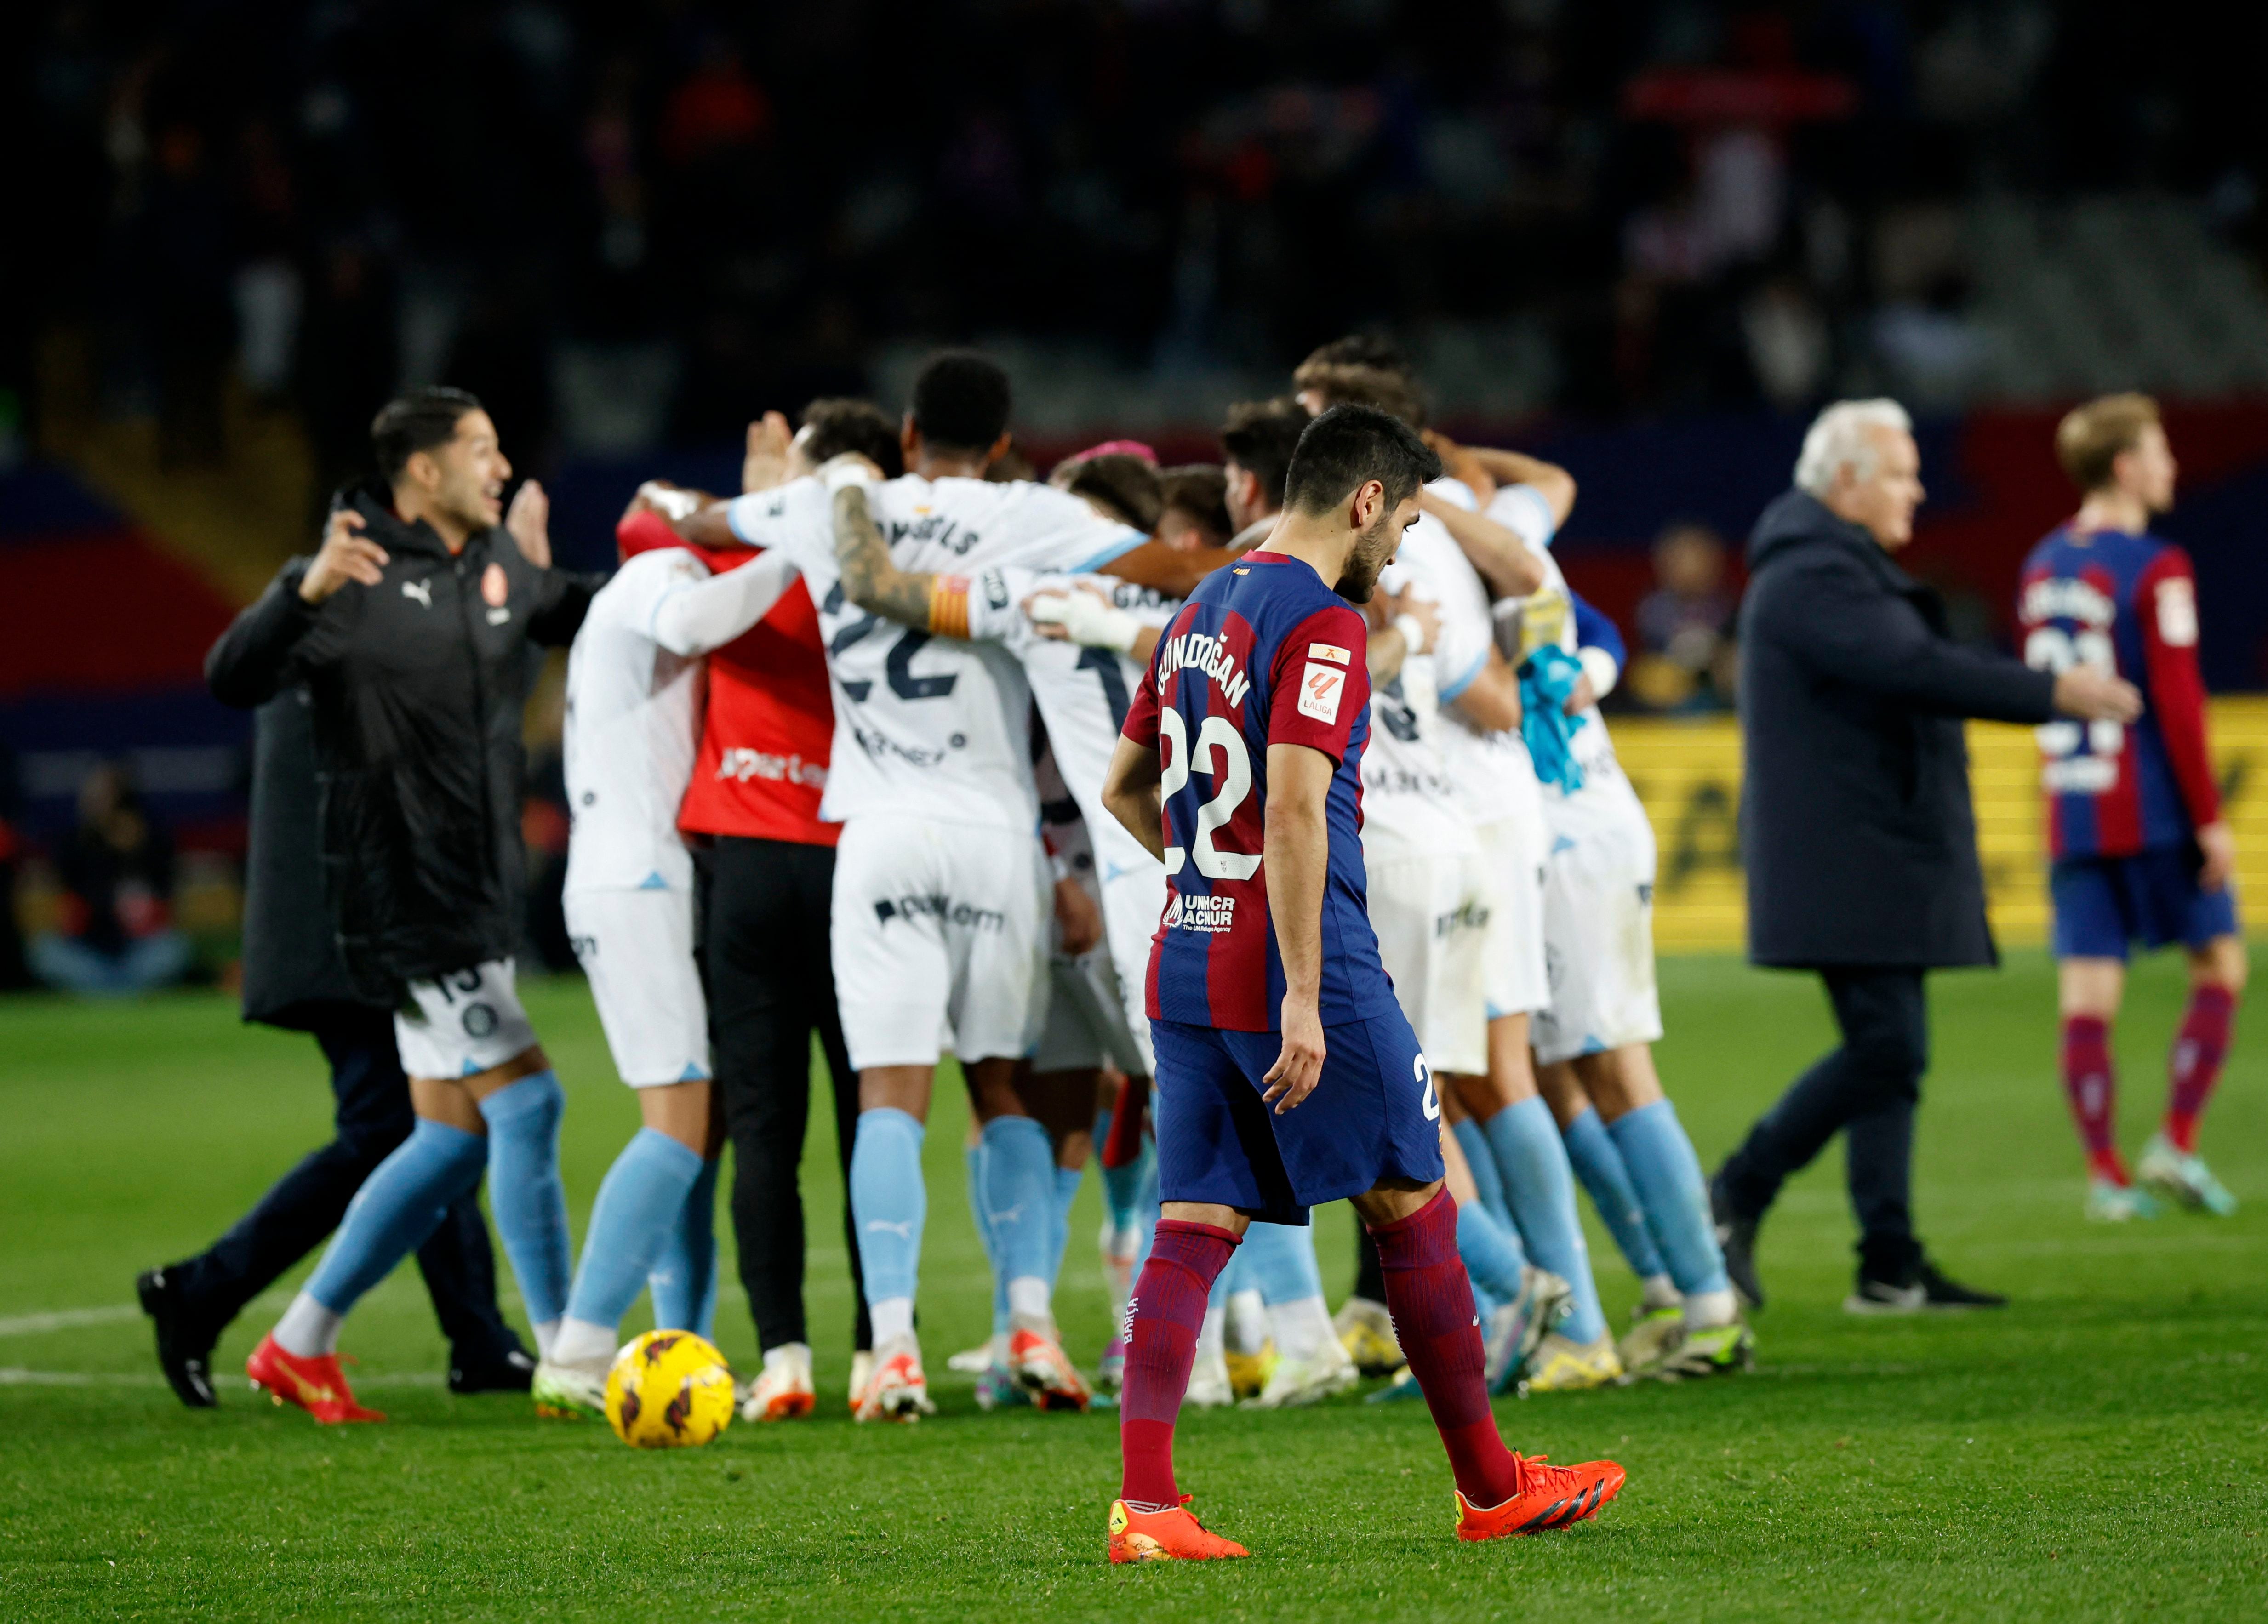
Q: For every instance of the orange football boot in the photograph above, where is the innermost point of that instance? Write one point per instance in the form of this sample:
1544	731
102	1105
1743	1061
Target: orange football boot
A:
1165	1536
317	1385
1040	1364
1549	1497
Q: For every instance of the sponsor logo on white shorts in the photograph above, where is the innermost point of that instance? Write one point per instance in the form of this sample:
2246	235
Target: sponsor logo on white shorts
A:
943	909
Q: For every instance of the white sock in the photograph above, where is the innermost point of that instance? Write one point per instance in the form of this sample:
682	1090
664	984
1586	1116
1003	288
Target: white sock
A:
547	1332
1029	1298
799	1352
1301	1327
893	1318
1212	1334
1707	1310
307	1329
579	1342
1247	1321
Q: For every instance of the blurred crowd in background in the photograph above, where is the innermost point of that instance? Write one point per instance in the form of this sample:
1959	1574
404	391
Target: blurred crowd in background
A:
626	226
617	223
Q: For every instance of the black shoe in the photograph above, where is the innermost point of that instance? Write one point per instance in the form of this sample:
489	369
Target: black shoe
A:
509	1371
1919	1289
1736	1238
184	1345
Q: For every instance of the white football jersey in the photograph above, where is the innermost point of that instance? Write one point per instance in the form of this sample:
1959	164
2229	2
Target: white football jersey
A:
926	726
1547	615
1407	799
1490	773
633	711
1082	694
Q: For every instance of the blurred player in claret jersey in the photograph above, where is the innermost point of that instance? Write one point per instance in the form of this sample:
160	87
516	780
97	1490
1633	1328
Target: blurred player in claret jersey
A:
2135	832
1286	1072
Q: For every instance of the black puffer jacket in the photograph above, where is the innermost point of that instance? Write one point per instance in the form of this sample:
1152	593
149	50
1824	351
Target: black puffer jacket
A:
417	688
1856	826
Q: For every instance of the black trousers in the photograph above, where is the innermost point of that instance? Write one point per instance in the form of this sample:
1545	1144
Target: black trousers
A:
1868	1089
771	988
372	1116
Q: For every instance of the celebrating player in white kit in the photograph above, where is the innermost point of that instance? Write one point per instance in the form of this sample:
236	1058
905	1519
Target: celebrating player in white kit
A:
1592	1042
940	887
633	697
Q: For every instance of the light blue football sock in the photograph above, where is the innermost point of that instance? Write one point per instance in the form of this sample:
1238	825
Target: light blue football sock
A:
1599	1165
1668	1175
1122	1187
1482	1160
889	1200
526	1197
1490	1251
1019	1197
1279	1261
1146	1211
974	1159
398	1207
1066	1192
641	1202
1532	1160
684	1277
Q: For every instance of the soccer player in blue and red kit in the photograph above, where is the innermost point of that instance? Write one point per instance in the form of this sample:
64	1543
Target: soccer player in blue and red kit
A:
2140	848
1287	1075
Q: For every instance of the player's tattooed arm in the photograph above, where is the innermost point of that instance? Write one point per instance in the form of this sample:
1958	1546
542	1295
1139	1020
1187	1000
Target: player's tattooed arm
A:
1130	789
872	580
1295	857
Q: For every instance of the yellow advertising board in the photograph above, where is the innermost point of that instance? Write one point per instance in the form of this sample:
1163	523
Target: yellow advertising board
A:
1688	772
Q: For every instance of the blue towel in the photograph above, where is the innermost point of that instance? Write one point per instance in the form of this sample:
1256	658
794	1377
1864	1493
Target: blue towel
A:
1548	676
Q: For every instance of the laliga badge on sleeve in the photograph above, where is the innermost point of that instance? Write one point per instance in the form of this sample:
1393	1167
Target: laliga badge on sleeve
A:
1320	687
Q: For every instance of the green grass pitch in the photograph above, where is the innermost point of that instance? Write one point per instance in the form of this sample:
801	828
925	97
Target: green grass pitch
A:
2100	1450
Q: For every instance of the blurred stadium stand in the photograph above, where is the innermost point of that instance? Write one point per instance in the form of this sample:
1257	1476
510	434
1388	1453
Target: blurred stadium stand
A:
1644	237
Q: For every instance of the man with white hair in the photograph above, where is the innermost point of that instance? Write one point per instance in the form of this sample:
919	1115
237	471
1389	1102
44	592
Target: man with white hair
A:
1857	829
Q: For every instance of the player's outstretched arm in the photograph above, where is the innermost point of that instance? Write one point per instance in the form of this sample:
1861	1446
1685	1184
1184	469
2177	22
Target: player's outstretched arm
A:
1130	789
1496	550
1295	857
1553	482
697	619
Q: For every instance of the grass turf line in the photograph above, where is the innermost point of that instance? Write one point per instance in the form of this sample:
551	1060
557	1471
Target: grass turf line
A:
2098	1450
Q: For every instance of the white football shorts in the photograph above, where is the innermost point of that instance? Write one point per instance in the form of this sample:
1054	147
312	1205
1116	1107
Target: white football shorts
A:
940	940
1133	902
636	948
1514	849
1086	1018
1598	923
462	1024
1432	912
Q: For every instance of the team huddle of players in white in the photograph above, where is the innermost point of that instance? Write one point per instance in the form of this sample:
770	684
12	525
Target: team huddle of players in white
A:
982	637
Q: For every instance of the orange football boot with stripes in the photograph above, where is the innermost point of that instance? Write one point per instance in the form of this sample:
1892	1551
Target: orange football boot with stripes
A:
1549	1497
316	1384
1174	1535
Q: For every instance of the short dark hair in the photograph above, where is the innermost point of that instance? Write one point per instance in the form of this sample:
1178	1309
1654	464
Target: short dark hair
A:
1351	383
961	402
1260	436
1199	490
1125	484
1349	445
415	421
1362	349
839	424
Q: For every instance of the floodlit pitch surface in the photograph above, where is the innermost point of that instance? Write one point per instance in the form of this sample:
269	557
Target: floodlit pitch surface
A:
2099	1450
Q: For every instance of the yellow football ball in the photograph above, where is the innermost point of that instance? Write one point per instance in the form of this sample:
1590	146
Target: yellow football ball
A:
669	1390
